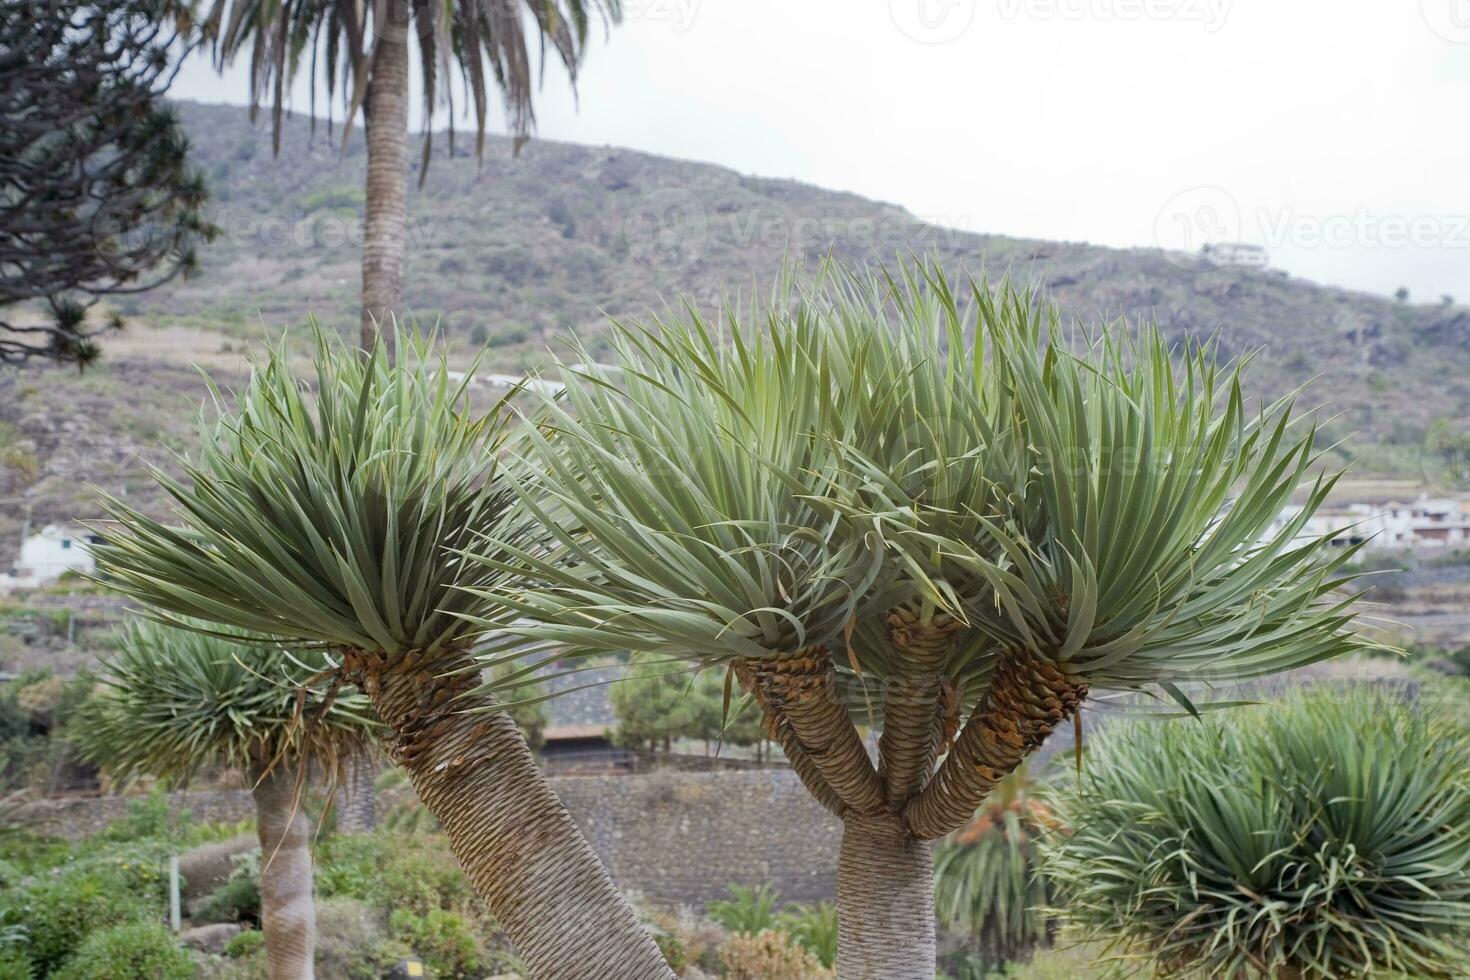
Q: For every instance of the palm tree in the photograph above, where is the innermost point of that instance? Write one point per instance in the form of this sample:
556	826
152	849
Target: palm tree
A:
364	49
336	517
175	700
873	501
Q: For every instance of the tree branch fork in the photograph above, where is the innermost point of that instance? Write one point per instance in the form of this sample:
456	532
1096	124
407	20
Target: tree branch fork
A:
932	773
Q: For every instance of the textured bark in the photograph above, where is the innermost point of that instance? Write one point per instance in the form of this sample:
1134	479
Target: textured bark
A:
515	840
885	902
912	722
357	808
1028	698
802	691
802	765
287	912
385	232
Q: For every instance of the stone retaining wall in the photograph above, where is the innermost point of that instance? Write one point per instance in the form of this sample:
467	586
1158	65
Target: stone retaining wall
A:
673	838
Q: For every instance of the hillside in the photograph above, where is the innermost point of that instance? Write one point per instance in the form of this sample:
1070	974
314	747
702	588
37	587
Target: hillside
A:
516	252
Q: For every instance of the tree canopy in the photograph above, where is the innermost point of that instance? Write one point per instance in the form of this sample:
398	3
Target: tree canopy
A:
337	42
173	700
97	198
950	501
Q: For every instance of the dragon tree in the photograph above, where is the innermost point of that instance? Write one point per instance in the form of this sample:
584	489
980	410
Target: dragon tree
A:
875	502
334	512
175	700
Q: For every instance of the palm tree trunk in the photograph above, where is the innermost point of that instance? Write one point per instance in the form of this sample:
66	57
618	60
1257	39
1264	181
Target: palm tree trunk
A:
472	769
885	902
385	235
287	912
359	810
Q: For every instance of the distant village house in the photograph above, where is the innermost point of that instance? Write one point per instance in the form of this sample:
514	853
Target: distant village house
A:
54	551
1236	254
1424	524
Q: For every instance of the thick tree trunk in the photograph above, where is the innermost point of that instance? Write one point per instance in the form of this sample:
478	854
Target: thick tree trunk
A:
385	235
287	913
357	812
885	902
517	843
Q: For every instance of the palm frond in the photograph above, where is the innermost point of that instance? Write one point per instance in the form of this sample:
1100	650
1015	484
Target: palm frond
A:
485	42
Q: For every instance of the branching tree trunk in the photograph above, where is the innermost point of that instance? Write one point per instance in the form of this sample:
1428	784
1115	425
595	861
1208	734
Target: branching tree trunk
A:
472	769
885	877
287	912
385	233
800	691
912	727
1028	698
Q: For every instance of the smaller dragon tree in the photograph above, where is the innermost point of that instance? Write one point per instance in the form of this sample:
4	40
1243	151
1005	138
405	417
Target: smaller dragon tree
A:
175	700
334	512
870	500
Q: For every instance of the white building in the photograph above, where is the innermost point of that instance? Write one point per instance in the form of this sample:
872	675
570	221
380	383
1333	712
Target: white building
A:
1236	253
1426	523
56	549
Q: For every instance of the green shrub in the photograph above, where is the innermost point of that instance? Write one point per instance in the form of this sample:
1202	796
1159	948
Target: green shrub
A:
246	943
350	941
417	873
1325	836
749	910
238	899
135	951
443	939
814	928
59	913
986	884
24	853
769	955
151	817
675	952
686	940
15	964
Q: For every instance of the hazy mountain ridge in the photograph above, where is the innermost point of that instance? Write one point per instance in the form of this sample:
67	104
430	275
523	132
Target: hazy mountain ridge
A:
520	250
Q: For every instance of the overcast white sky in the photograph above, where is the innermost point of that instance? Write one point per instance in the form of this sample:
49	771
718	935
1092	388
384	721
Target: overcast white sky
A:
1331	131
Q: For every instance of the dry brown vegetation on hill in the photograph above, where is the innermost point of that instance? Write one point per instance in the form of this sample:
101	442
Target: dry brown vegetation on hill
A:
519	251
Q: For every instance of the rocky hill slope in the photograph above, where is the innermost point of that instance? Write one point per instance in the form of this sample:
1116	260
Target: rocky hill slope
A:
515	252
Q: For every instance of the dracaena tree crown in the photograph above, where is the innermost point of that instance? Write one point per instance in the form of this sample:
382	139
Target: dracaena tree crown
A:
328	512
174	700
786	476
